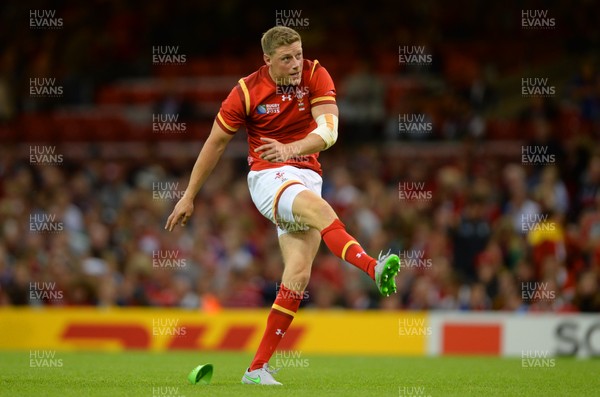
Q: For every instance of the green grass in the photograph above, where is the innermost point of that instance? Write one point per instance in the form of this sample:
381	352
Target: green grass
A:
164	374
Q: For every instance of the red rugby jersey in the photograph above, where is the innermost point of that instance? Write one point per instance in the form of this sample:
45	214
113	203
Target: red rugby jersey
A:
276	111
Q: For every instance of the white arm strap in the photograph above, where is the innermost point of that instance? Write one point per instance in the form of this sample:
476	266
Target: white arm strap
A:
327	128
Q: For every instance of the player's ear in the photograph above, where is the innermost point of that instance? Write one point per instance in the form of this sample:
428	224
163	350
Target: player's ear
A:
267	59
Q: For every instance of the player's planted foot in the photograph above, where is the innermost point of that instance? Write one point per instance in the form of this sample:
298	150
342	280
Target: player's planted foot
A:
387	268
261	376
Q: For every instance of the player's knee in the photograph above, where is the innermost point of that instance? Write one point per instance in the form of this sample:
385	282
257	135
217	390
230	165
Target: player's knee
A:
323	214
317	211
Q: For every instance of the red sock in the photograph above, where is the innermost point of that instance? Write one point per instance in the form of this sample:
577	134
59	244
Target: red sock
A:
344	246
281	316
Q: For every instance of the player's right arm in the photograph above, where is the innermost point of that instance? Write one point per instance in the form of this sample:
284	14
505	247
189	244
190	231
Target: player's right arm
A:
230	117
205	163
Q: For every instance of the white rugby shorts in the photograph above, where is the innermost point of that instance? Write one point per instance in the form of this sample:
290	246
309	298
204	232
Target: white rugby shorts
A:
273	192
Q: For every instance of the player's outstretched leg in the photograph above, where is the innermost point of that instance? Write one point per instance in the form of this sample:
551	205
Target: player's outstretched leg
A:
383	270
318	214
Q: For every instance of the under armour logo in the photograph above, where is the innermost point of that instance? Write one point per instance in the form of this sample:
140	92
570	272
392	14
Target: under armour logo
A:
286	97
280	175
360	254
279	332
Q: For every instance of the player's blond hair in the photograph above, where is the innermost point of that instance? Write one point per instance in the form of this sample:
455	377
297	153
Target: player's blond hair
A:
276	37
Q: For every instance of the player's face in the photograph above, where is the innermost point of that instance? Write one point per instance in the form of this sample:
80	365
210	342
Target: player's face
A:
285	64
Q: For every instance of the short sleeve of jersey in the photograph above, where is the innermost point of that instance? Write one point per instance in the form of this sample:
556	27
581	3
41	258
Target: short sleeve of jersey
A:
232	114
321	86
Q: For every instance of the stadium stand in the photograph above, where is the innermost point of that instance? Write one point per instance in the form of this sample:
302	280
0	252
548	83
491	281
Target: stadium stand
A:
102	190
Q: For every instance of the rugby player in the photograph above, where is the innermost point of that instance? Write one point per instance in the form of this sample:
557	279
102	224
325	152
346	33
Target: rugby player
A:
289	110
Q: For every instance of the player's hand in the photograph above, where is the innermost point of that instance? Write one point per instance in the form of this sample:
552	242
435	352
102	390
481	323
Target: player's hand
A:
181	213
275	151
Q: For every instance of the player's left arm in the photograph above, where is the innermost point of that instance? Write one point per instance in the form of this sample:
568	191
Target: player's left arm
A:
319	139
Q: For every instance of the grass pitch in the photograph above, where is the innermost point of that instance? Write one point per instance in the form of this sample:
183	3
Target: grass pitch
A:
133	374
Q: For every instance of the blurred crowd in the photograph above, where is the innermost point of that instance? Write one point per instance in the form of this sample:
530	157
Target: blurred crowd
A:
489	232
480	236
